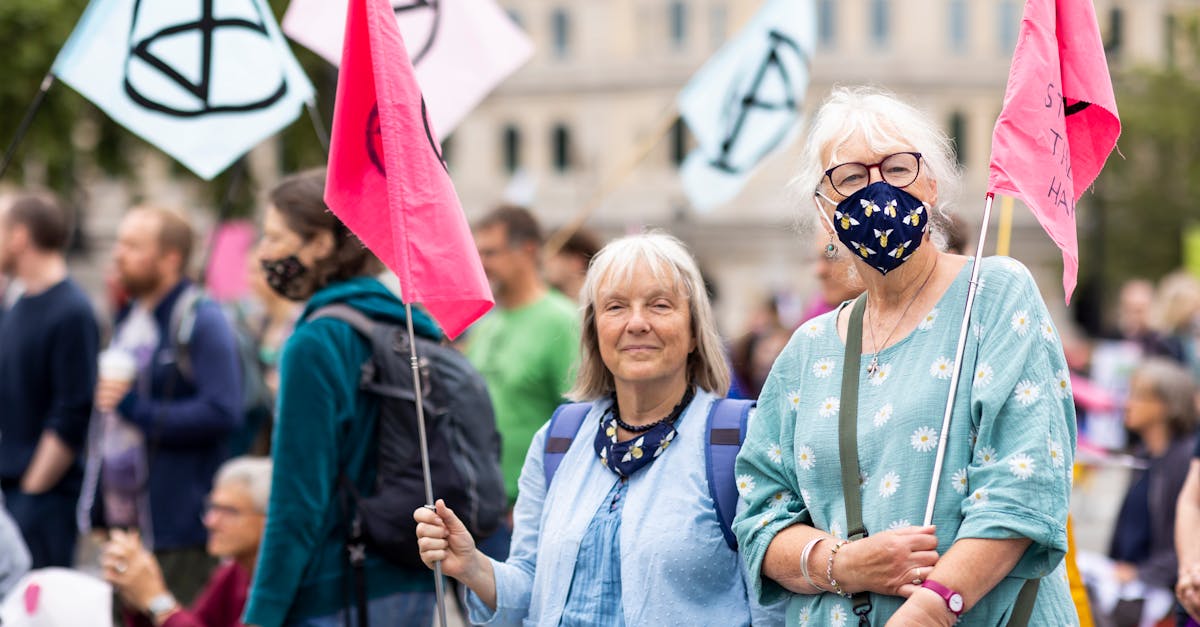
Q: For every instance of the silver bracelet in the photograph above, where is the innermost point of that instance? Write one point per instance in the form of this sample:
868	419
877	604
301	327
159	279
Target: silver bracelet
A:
833	583
804	555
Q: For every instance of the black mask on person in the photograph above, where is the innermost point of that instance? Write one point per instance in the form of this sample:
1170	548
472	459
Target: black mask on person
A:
284	276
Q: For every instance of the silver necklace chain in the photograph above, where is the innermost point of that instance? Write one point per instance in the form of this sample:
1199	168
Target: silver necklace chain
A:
873	367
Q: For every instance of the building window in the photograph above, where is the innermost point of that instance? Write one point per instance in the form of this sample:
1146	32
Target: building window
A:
720	22
561	138
512	149
958	26
958	133
1116	23
1008	21
880	22
678	20
679	142
560	27
827	23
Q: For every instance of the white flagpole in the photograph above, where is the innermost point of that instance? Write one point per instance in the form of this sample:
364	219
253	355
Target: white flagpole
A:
439	585
958	358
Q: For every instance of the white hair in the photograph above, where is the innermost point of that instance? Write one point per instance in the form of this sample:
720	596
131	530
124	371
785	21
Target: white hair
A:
669	261
253	474
887	124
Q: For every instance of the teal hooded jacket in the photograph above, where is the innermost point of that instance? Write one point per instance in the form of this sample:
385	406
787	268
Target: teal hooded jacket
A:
324	425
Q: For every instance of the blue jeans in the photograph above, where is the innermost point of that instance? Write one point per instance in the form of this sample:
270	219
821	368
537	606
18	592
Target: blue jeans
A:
402	609
47	522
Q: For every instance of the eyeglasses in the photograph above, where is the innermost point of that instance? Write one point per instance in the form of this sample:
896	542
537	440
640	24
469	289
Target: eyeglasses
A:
898	170
226	511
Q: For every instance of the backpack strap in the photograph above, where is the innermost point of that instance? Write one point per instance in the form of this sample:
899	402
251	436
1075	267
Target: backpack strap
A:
726	430
564	425
181	325
351	316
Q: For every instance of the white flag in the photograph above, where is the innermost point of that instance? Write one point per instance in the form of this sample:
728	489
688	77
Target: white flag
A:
746	100
461	49
204	81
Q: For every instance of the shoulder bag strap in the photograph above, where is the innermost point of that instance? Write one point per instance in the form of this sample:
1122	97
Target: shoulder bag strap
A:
726	430
848	442
564	425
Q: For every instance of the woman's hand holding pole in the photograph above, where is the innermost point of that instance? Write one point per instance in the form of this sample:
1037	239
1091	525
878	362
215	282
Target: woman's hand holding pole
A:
442	537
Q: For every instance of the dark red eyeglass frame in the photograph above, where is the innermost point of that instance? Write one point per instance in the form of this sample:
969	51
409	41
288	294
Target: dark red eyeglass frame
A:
829	172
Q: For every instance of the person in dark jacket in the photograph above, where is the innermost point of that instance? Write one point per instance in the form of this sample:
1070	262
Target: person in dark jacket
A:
325	427
169	395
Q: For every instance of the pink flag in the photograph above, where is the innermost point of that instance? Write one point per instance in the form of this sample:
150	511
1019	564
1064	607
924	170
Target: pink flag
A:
387	180
225	278
1059	121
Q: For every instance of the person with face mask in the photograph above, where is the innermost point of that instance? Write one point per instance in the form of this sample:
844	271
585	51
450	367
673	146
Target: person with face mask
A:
836	468
325	429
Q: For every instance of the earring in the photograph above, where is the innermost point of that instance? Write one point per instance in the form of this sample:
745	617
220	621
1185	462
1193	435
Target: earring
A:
831	250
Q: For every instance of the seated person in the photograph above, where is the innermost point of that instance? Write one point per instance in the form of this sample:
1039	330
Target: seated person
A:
235	516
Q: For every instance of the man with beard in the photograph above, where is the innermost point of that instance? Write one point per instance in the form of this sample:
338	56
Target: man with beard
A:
48	344
169	395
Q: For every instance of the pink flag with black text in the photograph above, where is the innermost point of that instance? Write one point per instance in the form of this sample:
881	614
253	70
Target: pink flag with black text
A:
1059	121
387	181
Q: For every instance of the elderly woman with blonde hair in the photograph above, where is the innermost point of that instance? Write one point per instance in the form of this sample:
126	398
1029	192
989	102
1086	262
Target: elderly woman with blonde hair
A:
625	533
837	465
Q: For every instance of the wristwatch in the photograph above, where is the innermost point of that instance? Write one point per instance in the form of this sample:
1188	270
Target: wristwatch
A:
954	600
161	604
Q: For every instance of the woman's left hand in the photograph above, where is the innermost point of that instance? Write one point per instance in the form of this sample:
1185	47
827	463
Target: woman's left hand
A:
132	570
923	609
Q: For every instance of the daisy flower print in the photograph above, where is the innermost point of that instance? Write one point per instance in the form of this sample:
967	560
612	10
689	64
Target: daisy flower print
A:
745	485
1027	393
829	407
923	439
1020	323
889	484
822	368
942	368
804	457
1021	466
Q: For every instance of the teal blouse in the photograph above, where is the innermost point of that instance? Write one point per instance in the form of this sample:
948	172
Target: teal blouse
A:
1008	462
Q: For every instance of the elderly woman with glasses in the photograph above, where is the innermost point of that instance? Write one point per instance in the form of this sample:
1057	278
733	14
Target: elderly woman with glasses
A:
624	532
837	465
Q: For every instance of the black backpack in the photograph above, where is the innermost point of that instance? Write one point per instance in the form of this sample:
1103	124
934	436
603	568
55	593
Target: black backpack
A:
464	446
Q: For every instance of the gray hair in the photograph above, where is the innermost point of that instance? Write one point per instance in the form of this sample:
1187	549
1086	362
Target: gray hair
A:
886	123
671	264
1173	385
253	474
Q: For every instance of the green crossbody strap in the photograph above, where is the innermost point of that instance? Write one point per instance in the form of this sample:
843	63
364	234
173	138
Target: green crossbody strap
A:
1023	609
848	442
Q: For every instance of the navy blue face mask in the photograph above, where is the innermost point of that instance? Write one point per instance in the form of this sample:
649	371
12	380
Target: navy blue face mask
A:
882	224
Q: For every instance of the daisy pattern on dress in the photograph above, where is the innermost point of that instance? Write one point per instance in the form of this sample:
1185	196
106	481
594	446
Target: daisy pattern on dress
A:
745	485
766	519
806	495
804	457
1020	322
978	331
986	456
793	399
1062	384
889	484
1027	392
1047	331
863	477
899	524
983	375
973	436
883	415
804	616
780	499
1056	453
775	453
835	530
881	374
822	368
829	407
941	368
812	329
928	320
923	439
1021	466
959	481
979	496
838	616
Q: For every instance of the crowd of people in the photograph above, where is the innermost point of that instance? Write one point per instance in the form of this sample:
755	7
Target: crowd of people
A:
214	452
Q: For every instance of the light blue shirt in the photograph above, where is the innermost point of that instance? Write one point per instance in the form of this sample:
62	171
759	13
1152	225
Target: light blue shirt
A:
675	566
595	595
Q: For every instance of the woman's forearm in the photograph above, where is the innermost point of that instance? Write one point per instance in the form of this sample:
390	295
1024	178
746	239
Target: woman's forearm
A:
782	560
973	566
481	579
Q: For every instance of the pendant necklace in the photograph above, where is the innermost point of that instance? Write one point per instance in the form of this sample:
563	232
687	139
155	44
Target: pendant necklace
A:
873	367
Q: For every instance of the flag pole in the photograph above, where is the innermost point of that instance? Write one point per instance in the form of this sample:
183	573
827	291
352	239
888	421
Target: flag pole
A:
27	121
662	126
314	116
958	359
423	441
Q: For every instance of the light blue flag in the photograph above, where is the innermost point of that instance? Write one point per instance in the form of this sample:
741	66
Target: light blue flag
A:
203	80
746	100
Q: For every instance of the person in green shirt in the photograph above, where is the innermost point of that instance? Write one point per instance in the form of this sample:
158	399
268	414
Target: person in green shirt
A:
526	348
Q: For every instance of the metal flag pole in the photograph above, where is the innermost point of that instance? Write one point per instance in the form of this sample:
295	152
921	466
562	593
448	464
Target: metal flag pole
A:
958	359
439	586
27	121
314	116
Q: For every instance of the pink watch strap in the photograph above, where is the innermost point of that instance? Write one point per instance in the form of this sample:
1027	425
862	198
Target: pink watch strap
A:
954	600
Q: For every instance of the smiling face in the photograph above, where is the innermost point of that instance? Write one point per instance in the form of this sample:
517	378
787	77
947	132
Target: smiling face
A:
644	329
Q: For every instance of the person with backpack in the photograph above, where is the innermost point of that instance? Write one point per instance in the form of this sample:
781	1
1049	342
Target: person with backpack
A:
325	431
624	503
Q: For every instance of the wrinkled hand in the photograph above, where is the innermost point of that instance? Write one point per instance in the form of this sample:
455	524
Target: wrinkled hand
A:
109	393
887	562
1188	590
442	537
924	609
131	569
